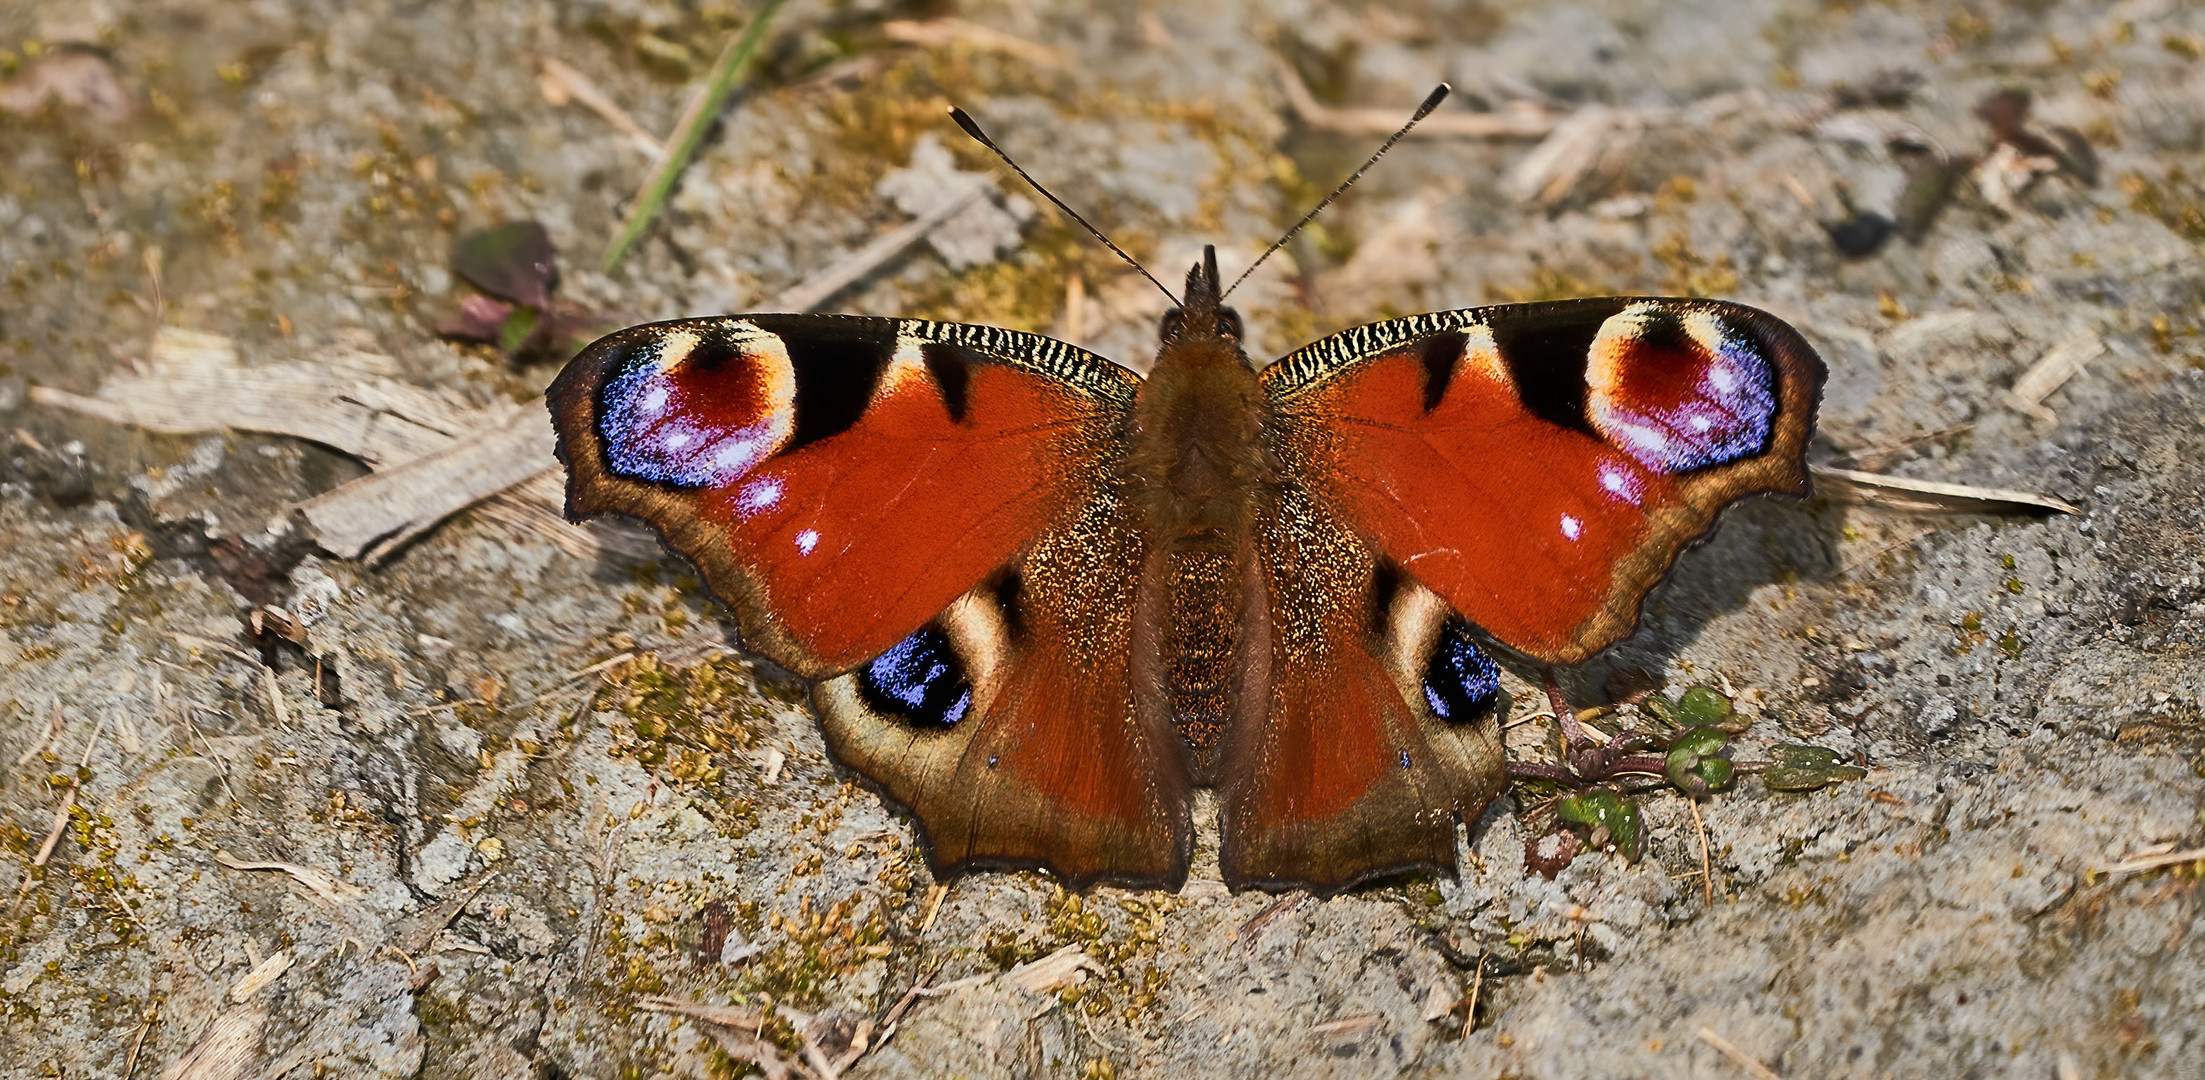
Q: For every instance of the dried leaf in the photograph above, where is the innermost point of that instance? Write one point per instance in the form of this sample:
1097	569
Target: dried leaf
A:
263	973
478	319
1060	968
514	261
1930	182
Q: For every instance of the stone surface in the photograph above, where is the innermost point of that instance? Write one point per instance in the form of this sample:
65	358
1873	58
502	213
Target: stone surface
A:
500	848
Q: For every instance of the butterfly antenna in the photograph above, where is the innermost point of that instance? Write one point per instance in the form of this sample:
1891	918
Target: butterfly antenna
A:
965	120
1431	101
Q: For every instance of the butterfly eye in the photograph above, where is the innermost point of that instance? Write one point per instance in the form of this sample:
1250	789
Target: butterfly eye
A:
1174	320
1228	323
1461	683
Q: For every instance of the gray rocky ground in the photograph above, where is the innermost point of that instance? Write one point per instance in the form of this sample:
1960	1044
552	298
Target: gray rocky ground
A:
498	864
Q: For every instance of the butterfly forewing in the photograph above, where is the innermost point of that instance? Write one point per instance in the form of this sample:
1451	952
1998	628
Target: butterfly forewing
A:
1540	466
837	480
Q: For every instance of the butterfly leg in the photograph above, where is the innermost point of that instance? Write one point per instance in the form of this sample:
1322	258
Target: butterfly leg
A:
1574	738
1588	761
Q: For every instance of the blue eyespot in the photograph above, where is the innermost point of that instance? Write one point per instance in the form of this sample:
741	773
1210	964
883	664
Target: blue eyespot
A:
919	680
1461	683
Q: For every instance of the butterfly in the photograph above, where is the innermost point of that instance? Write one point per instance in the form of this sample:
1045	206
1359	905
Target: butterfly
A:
1043	598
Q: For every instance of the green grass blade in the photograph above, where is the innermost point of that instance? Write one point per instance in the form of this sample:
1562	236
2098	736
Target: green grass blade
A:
682	145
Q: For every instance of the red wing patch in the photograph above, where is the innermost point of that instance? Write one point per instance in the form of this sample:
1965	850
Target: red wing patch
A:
837	480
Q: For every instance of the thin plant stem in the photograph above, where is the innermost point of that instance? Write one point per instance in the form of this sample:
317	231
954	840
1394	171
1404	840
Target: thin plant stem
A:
689	132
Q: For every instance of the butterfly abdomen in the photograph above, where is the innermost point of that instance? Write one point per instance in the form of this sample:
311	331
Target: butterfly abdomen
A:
1196	475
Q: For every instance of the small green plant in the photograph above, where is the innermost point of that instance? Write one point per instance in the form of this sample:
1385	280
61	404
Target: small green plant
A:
1592	796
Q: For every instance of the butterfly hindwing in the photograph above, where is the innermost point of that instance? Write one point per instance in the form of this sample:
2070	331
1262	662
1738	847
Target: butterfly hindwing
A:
1367	722
1540	466
1011	726
837	480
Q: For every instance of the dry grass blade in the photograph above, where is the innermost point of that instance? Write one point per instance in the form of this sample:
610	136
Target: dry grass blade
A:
1261	921
1707	859
934	894
327	887
561	83
689	133
226	1050
1594	141
2058	364
953	31
821	287
1744	1060
1348	1027
740	1032
1530	123
2145	864
53	728
1901	493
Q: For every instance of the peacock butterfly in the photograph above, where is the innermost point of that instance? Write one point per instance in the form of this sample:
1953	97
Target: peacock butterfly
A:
1044	598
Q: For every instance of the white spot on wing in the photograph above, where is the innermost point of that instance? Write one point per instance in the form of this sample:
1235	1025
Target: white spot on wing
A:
806	541
1619	482
761	495
1571	527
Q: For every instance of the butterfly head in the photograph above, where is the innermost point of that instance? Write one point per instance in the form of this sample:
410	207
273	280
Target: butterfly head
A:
1201	312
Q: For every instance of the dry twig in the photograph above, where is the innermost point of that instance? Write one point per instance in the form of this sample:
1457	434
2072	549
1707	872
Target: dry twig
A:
1707	861
1530	122
954	31
560	84
1277	909
1744	1060
822	287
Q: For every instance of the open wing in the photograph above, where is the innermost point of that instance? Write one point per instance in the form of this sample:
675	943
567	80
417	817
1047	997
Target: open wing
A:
1367	720
1532	468
1540	466
917	514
